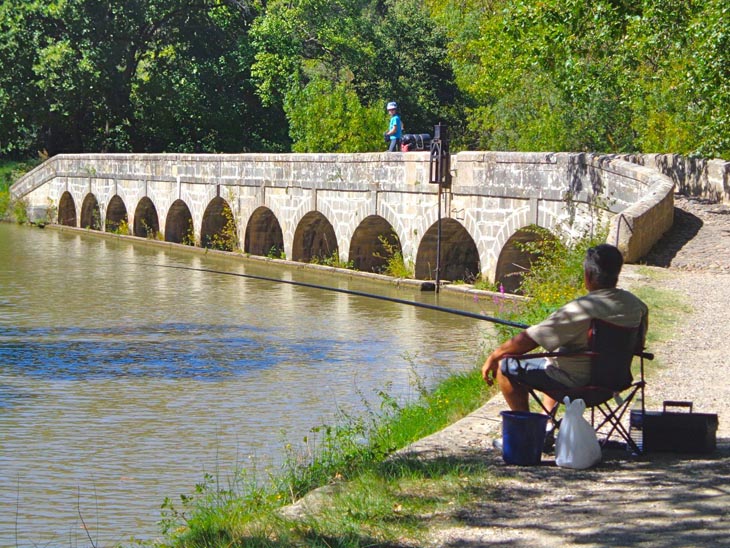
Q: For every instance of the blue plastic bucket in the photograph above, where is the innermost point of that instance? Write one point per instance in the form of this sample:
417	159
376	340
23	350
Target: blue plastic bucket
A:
523	437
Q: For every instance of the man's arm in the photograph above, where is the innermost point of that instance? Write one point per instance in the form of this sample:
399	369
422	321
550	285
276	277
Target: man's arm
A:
519	344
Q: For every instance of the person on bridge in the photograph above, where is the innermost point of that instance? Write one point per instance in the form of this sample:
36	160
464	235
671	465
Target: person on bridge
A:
566	329
395	128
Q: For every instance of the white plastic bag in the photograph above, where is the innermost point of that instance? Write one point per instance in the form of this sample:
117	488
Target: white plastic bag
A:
576	445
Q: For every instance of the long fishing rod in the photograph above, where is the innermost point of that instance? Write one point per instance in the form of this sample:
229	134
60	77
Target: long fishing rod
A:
351	292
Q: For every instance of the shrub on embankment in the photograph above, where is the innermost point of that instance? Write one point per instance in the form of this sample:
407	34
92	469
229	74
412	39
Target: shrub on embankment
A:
10	171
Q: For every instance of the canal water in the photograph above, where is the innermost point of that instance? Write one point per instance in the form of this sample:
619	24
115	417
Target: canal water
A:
123	382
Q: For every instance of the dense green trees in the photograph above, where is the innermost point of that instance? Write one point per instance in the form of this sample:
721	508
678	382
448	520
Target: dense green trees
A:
333	65
314	75
78	75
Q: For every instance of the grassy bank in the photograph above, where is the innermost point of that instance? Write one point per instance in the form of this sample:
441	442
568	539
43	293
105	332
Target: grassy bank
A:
374	491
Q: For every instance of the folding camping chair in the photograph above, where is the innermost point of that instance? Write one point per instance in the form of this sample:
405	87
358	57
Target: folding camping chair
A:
612	387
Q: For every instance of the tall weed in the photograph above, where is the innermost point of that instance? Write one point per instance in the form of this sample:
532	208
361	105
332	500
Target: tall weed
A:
395	264
555	277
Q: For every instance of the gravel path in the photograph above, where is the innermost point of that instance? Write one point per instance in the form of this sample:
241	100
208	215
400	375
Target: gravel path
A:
659	500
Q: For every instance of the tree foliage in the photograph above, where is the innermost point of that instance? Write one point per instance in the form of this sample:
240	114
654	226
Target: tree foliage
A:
142	75
361	51
314	75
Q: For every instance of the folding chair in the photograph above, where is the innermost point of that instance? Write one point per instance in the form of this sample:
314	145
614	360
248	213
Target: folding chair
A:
612	387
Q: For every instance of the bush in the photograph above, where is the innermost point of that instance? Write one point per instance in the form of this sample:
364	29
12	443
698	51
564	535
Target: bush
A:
11	171
555	277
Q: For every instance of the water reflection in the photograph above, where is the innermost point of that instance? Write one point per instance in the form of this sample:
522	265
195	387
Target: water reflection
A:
122	382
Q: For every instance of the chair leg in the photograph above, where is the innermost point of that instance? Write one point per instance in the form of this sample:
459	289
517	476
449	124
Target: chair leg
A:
613	417
551	413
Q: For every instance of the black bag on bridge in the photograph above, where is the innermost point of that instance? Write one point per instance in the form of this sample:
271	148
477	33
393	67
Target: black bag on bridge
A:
415	141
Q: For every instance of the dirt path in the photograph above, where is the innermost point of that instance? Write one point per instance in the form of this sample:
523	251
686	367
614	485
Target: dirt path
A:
659	500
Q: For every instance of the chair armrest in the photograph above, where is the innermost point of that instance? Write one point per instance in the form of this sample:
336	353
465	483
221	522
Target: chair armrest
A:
549	355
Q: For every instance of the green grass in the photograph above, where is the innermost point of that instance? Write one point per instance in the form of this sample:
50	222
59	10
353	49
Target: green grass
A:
379	497
665	308
333	261
395	264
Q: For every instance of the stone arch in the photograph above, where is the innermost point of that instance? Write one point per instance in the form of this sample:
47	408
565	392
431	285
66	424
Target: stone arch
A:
218	230
146	220
314	238
179	227
90	213
459	254
367	250
116	214
67	210
514	260
263	234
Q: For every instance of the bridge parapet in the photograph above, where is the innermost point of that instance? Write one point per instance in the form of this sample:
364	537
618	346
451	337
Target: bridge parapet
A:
493	196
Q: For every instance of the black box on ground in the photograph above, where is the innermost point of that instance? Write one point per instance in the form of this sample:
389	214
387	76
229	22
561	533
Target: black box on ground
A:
675	432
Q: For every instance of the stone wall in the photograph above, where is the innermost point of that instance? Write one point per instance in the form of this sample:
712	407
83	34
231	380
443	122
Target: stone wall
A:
493	194
709	179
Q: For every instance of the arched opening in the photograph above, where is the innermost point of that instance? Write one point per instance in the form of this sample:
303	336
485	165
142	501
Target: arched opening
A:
373	244
514	259
116	216
179	224
263	234
146	221
314	239
90	213
219	229
66	210
459	254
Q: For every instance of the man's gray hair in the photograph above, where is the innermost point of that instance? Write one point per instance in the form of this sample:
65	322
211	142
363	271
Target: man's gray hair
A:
603	265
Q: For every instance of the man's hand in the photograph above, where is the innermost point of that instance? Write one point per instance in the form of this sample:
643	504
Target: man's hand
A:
489	369
519	344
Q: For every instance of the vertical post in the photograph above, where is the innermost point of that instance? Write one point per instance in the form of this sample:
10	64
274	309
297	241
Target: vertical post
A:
438	245
440	174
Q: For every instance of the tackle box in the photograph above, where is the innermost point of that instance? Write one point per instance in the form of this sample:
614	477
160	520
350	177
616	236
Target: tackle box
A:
674	431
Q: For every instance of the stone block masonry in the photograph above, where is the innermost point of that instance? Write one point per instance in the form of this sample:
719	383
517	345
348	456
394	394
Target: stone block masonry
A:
494	195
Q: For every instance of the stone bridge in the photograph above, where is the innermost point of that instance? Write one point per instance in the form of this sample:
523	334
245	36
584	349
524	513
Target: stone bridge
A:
359	208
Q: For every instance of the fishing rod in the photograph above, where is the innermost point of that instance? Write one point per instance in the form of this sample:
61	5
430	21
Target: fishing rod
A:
351	292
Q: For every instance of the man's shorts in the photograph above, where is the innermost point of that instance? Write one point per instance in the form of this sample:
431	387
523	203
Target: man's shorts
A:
532	372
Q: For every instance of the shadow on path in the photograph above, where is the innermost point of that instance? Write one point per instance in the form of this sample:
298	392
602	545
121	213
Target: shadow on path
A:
659	500
686	226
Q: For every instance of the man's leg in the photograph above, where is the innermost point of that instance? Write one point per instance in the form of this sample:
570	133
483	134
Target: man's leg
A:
516	377
548	402
516	395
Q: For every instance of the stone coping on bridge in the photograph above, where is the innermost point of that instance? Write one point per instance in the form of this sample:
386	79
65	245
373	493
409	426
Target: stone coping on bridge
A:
693	176
641	186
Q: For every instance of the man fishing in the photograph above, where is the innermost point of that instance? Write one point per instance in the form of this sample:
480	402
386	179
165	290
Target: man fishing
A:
566	330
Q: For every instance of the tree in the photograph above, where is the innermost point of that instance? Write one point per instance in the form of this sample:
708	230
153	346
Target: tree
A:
20	28
361	50
94	69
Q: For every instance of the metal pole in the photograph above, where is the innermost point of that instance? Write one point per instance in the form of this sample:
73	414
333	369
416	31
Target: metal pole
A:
439	173
438	246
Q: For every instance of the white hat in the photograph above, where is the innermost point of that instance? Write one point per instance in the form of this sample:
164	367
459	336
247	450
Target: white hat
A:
392	105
